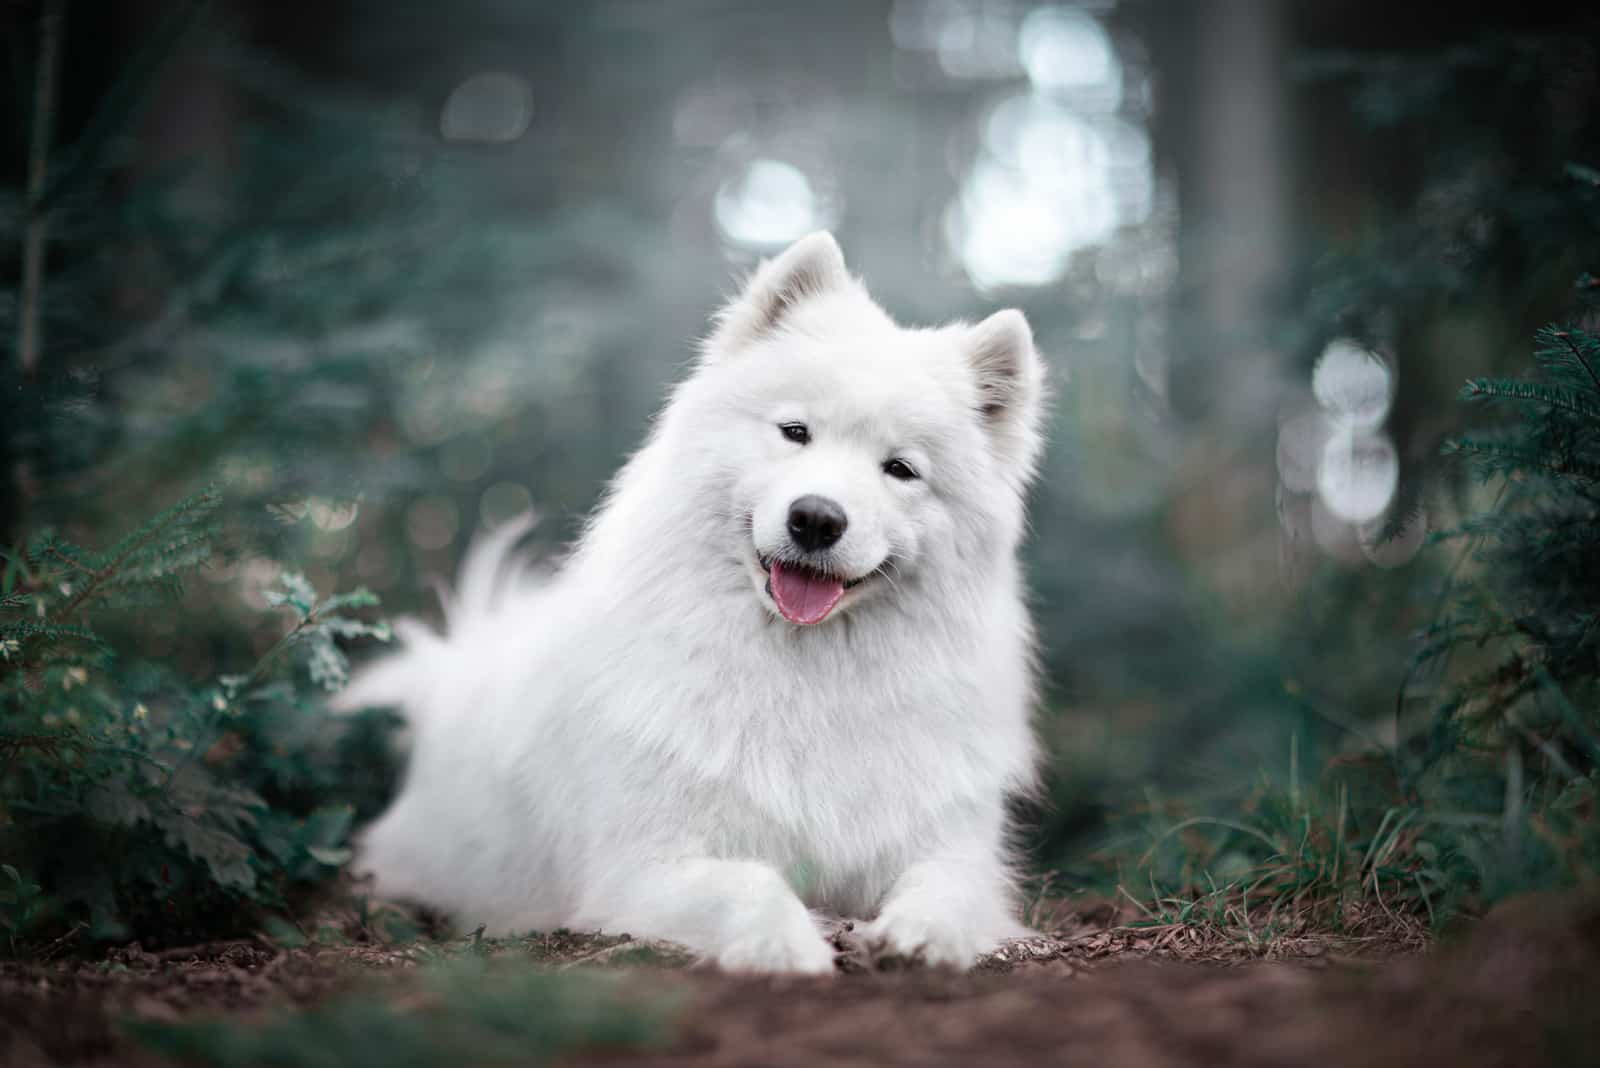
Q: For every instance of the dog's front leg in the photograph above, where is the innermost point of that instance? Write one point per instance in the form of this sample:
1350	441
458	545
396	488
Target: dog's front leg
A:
740	913
951	906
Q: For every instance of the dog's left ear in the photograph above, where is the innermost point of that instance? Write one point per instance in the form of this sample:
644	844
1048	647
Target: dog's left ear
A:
811	266
1010	385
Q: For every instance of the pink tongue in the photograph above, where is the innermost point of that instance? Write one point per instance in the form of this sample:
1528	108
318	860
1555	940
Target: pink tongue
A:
804	597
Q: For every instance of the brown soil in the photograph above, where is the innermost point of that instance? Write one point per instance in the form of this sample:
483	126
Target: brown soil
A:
1519	989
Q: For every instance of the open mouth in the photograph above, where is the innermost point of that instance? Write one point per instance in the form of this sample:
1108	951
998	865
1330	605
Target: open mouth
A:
805	595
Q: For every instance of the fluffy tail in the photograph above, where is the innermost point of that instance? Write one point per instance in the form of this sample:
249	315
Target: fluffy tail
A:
402	679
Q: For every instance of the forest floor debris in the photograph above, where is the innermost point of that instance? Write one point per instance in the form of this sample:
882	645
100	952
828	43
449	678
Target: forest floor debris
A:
1097	988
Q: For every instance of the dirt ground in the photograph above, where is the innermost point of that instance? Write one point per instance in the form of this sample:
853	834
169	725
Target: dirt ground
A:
1521	987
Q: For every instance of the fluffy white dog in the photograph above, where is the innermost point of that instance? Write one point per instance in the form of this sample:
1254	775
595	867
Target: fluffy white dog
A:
788	665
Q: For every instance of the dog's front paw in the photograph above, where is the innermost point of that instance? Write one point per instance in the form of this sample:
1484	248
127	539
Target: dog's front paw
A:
793	951
926	936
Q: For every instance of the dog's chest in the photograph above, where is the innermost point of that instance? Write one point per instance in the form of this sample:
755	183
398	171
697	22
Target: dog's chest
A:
817	752
847	759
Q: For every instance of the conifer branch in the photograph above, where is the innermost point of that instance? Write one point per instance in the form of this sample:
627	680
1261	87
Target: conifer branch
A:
1566	336
76	565
1507	389
103	575
1513	457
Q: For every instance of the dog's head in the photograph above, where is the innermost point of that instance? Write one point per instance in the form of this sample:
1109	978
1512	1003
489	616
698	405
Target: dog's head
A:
852	458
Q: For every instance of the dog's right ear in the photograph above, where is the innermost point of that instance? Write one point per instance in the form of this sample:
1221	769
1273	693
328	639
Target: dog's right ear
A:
811	266
1009	377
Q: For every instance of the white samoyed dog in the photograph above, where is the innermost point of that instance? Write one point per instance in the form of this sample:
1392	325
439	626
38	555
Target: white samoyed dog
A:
788	667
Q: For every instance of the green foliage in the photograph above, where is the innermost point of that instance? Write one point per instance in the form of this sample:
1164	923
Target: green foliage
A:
1515	653
261	314
1556	437
135	798
502	1014
1293	855
1492	785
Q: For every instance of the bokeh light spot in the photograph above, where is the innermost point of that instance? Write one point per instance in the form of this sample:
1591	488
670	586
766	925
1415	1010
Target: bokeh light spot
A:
432	522
333	515
490	108
767	204
1065	50
1058	170
1358	475
1353	384
1048	182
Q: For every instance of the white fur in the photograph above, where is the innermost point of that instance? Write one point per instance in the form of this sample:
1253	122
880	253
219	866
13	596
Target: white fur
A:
639	742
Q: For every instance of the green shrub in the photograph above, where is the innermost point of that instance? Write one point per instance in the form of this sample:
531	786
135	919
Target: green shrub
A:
1492	783
134	799
1514	741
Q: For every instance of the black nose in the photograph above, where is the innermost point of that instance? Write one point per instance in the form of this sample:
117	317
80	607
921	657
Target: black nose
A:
816	522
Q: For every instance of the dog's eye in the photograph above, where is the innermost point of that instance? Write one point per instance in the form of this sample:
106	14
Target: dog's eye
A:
899	469
795	432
